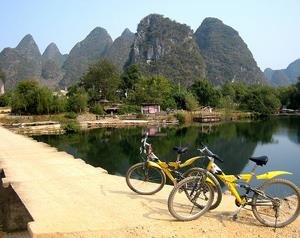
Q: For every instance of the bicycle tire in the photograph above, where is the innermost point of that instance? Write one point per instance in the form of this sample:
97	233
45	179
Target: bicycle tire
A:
294	200
143	170
196	185
216	185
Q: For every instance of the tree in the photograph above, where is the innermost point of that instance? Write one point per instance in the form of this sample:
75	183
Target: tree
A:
185	100
155	89
5	99
59	104
295	96
130	77
261	99
77	101
206	94
30	98
101	81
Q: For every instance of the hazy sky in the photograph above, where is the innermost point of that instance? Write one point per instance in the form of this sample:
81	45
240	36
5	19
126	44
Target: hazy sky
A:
270	28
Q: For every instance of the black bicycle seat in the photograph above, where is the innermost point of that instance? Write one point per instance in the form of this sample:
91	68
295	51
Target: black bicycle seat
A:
180	150
260	160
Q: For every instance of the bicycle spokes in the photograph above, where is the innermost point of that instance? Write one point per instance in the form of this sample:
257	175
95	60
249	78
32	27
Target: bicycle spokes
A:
277	205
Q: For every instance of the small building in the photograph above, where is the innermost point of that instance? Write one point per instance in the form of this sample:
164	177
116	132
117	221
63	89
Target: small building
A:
150	108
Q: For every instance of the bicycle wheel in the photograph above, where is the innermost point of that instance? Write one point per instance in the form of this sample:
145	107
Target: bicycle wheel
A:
278	204
215	184
144	179
190	198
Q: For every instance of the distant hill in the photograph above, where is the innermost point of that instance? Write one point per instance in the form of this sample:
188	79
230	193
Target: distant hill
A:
22	62
52	62
84	53
226	55
160	46
284	77
163	46
119	51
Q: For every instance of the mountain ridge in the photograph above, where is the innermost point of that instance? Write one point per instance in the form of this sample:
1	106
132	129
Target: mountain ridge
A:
284	77
159	46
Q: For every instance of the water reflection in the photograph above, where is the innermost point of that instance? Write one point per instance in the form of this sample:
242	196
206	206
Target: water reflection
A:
117	149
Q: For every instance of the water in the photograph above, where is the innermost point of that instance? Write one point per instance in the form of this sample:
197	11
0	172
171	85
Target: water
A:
117	149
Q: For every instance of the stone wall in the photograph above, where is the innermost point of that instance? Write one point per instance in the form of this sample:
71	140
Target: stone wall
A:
13	214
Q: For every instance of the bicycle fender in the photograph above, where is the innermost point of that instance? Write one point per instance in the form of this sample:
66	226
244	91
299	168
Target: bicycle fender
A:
271	174
153	164
190	161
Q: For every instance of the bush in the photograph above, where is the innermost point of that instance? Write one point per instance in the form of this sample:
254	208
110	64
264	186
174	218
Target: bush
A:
97	109
140	116
71	115
4	100
125	109
71	127
180	117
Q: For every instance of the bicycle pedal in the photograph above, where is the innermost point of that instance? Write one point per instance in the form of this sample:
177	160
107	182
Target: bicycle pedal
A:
235	217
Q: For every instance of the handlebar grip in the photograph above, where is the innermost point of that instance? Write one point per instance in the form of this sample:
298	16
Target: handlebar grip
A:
217	158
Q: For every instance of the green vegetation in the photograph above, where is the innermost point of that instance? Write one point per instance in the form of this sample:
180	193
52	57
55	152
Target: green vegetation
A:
30	98
71	127
294	101
101	81
155	89
206	94
102	86
77	100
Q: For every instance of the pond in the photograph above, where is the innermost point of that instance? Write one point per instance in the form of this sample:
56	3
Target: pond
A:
116	149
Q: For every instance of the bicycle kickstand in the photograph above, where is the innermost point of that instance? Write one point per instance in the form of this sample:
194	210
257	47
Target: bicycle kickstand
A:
235	214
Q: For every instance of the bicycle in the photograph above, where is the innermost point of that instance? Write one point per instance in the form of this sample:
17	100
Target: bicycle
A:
149	177
267	197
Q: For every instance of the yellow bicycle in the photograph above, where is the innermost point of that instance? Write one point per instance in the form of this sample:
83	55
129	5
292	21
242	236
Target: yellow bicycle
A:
149	176
275	203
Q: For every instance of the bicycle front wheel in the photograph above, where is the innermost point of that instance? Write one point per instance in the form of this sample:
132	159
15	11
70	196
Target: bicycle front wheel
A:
277	204
190	198
144	179
214	182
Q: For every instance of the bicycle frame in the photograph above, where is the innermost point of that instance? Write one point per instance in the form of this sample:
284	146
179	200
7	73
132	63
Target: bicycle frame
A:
154	161
166	167
231	180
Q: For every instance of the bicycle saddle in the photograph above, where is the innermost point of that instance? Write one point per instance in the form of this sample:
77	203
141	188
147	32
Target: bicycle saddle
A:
260	160
180	150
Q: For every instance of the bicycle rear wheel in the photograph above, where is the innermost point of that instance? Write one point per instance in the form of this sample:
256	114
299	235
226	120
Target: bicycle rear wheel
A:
215	184
144	179
279	203
190	198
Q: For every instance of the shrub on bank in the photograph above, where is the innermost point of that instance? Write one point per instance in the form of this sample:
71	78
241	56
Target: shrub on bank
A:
71	127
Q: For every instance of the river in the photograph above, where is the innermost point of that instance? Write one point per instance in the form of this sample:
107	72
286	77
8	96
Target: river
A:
116	149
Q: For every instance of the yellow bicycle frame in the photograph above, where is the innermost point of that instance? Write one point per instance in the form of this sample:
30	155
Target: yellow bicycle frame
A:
230	180
164	166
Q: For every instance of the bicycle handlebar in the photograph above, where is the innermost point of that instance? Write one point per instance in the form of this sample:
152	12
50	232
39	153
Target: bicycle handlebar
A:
210	153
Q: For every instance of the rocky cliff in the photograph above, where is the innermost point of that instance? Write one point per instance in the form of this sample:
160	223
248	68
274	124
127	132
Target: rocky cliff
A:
284	77
22	62
119	51
84	53
163	46
226	55
52	62
160	46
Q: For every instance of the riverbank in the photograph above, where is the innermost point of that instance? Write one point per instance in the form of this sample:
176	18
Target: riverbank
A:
60	123
48	183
